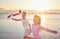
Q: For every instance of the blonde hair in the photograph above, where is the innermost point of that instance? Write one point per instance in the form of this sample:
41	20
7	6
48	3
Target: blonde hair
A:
39	19
24	12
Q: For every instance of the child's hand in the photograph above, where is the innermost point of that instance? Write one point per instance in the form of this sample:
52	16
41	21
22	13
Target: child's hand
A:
9	16
55	32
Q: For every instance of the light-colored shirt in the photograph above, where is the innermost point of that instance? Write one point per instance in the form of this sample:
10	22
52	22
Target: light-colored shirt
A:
25	23
35	30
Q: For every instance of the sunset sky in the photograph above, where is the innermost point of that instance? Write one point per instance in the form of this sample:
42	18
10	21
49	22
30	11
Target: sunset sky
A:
30	4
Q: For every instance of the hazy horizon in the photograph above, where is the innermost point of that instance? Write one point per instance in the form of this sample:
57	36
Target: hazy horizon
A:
30	4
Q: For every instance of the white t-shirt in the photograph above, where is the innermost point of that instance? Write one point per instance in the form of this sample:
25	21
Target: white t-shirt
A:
25	23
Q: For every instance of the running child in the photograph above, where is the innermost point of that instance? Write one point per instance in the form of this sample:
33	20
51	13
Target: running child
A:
37	26
25	23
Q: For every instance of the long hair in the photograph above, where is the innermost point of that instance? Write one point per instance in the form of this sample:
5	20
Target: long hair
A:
39	19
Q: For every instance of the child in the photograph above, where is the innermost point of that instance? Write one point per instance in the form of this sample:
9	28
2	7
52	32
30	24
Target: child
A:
25	23
37	26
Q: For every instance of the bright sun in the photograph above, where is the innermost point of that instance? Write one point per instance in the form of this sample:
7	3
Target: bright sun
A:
40	5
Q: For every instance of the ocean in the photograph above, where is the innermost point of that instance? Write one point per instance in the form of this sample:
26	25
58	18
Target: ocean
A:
10	29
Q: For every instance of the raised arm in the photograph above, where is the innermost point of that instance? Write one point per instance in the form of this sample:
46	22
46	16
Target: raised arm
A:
16	19
49	30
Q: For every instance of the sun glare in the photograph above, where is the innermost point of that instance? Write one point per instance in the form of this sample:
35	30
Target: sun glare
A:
42	19
40	5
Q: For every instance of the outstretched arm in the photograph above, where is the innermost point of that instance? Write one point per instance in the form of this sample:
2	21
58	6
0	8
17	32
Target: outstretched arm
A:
49	30
16	19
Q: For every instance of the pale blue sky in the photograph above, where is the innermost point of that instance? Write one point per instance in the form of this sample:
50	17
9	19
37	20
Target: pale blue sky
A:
30	4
